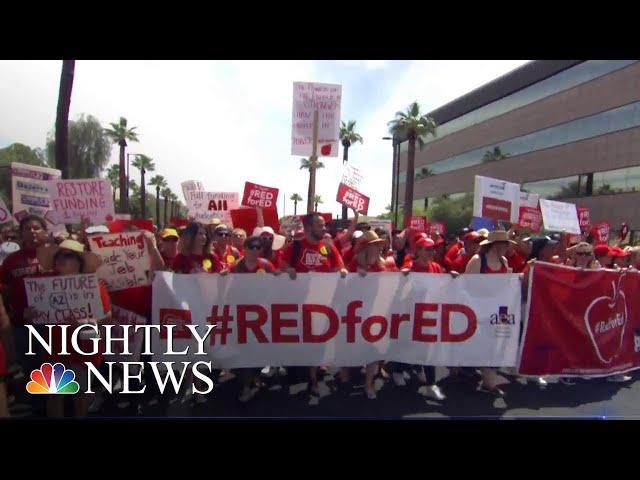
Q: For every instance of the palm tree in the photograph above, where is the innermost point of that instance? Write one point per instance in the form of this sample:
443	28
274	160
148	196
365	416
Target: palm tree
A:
348	137
159	182
62	117
166	193
493	155
119	133
413	126
113	175
295	198
144	164
174	204
312	164
316	200
424	173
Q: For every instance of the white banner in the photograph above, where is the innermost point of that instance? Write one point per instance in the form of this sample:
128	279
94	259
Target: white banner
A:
529	200
560	216
325	98
120	317
205	206
321	319
496	199
125	259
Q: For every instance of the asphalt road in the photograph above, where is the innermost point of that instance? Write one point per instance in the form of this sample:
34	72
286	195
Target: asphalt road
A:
588	398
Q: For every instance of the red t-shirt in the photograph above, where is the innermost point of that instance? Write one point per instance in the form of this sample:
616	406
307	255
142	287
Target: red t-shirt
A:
348	254
459	264
451	255
431	267
408	263
517	262
196	264
314	258
15	268
231	256
262	266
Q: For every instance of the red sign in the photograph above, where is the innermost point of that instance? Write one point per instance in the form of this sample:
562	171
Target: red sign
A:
581	322
530	218
417	223
496	209
259	196
179	222
584	218
436	228
119	226
353	199
600	232
247	219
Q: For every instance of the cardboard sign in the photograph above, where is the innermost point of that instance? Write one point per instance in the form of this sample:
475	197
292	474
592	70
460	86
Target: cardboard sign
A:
125	259
119	226
30	190
584	218
530	218
436	228
529	200
417	223
61	299
384	224
601	232
352	199
496	199
307	98
560	216
259	196
120	317
5	215
351	176
247	219
205	206
73	200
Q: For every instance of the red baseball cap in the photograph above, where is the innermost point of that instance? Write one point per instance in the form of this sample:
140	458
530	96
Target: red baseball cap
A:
602	250
618	252
425	242
474	237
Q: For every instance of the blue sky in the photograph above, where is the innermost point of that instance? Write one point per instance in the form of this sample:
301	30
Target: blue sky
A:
225	122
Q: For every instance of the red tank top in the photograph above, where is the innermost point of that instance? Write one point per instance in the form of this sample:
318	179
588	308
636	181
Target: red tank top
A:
484	266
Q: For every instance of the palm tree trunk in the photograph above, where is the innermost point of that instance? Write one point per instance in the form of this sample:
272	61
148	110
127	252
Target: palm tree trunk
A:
408	186
158	206
143	195
164	224
123	181
62	117
311	193
295	208
114	196
345	159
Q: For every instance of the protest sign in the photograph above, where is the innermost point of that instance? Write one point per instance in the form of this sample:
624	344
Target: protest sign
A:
247	219
30	189
205	206
325	99
417	223
178	222
5	215
125	259
436	228
321	319
496	199
581	322
384	224
73	200
601	232
352	199
529	200
61	299
119	318
351	176
118	226
259	196
584	218
560	216
530	218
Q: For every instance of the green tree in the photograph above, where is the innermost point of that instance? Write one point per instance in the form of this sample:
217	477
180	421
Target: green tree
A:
16	152
159	182
113	175
454	213
295	198
166	193
89	148
317	200
119	133
312	164
144	164
424	172
62	117
348	136
494	155
414	126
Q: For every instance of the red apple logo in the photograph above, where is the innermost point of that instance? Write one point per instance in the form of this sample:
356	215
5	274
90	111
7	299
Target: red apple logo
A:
325	150
605	320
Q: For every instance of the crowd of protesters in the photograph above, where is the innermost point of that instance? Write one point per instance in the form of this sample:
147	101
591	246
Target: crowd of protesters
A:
30	251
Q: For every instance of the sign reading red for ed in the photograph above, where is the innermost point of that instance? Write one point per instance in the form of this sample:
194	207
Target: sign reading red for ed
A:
259	196
353	199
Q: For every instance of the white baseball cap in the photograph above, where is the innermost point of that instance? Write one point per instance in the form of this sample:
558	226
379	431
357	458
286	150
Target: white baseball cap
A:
278	240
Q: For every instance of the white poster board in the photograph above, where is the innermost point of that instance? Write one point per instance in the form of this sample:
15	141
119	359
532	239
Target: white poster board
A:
30	190
352	176
560	216
205	206
496	199
326	99
384	224
529	199
75	199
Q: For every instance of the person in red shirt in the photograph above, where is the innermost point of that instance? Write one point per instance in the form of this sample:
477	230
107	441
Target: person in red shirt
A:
471	244
312	253
238	237
221	247
440	249
194	256
169	245
272	244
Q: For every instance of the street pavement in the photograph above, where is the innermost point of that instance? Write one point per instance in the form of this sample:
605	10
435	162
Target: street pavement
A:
586	399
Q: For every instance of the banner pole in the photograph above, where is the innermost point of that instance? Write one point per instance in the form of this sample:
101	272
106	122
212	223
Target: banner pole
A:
312	161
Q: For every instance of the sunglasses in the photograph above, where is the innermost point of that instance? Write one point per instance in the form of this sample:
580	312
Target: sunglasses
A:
254	246
222	235
237	235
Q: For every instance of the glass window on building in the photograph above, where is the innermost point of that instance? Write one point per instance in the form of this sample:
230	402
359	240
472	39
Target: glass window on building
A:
573	186
617	181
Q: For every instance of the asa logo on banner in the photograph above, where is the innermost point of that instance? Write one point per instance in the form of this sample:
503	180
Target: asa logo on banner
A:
496	199
73	200
352	199
259	196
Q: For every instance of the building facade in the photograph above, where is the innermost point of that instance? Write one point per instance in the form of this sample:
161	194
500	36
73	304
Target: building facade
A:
565	129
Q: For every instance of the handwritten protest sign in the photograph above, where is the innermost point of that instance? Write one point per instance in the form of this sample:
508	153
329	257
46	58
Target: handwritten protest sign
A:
307	98
205	206
351	176
5	216
91	198
530	218
384	224
560	216
352	199
496	199
529	200
125	259
120	317
64	298
259	196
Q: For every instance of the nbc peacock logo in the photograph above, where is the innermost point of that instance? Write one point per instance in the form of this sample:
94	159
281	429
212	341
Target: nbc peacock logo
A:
53	379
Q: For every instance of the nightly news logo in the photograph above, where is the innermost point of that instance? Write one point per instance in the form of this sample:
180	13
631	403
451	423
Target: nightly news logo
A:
53	379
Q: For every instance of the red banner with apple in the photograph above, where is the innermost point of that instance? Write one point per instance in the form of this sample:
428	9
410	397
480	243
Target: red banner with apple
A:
581	322
259	196
530	218
352	199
